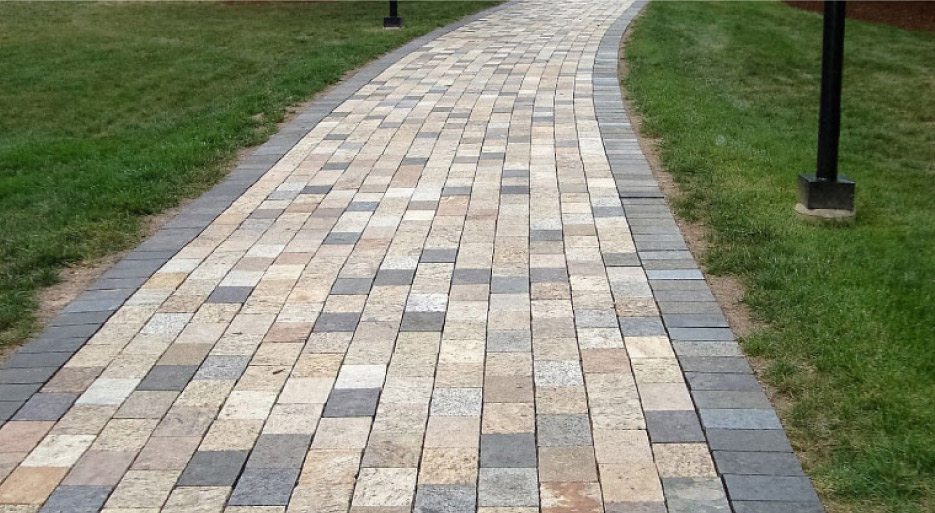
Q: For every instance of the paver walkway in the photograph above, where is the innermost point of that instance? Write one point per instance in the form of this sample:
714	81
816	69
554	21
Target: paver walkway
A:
436	300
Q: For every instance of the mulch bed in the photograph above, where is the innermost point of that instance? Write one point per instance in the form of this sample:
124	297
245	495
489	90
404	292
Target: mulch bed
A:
908	15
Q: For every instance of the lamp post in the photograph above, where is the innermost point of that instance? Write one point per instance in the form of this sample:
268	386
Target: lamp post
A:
825	193
393	21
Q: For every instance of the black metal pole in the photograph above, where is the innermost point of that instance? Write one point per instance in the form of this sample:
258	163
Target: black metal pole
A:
829	116
393	20
825	193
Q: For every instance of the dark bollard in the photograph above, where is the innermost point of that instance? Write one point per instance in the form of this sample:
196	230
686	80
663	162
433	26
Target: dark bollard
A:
824	193
393	21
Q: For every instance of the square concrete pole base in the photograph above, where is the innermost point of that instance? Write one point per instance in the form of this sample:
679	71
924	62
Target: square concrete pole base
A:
824	214
825	199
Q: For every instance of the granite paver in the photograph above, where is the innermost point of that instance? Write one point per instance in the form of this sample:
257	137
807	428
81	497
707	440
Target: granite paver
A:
451	285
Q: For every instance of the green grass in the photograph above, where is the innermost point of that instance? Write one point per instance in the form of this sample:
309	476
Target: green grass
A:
112	112
732	91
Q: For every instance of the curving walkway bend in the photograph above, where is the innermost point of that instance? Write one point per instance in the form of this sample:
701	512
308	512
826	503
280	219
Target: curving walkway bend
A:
451	286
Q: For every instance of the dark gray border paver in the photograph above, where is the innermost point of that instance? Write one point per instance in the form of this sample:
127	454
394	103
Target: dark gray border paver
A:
737	420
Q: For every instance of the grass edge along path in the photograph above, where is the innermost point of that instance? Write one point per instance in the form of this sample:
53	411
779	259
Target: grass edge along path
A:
730	89
114	112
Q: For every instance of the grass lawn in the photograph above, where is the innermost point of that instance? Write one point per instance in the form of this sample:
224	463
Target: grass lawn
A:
732	91
112	112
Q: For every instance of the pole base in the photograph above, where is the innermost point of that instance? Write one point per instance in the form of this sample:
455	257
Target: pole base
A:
818	194
822	215
392	22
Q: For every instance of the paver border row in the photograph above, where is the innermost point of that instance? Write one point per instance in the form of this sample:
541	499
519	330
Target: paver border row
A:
752	454
33	364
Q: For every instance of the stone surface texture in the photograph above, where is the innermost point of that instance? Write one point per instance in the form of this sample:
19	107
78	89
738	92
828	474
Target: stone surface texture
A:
450	285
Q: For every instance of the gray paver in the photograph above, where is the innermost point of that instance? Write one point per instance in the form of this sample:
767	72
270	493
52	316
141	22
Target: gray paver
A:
548	275
563	430
514	189
688	307
168	377
222	367
758	463
423	321
675	274
508	341
72	331
736	365
695	320
517	487
772	440
470	277
93	319
230	295
558	373
456	191
770	488
266	213
264	487
352	402
446	499
27	360
457	402
776	507
509	285
696	348
719	399
423	205
722	381
641	326
318	189
342	238
439	255
701	333
279	451
363	206
740	418
76	499
18	392
698	495
607	211
508	450
343	286
63	345
8	409
26	376
337	321
545	235
387	277
621	259
213	468
673	426
595	319
46	407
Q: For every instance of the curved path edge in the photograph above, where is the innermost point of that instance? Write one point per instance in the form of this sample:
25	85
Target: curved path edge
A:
35	362
751	452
